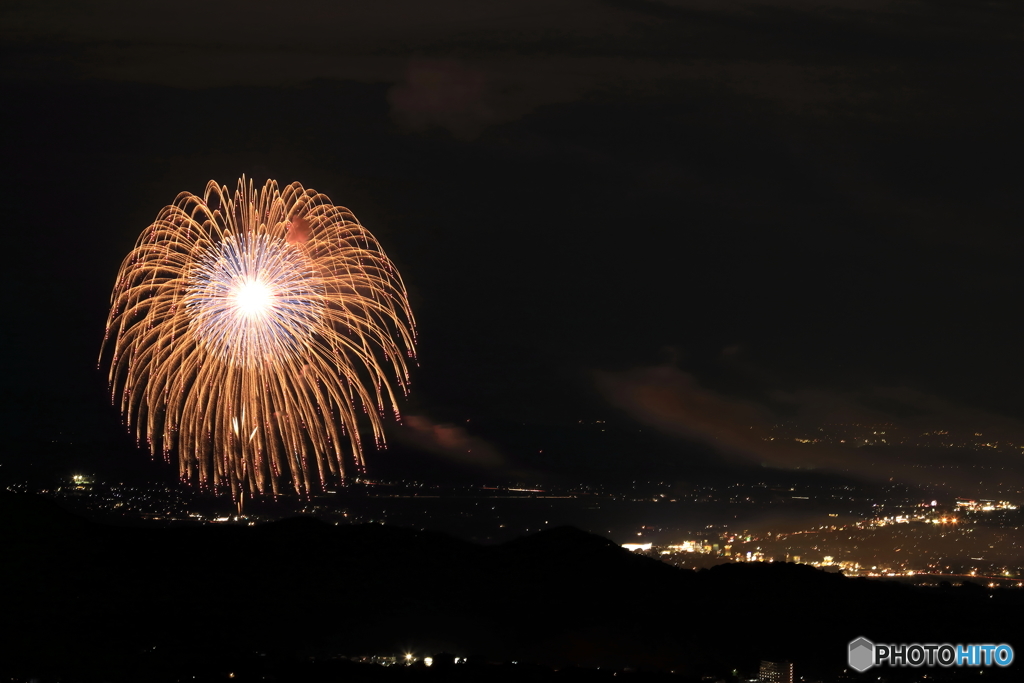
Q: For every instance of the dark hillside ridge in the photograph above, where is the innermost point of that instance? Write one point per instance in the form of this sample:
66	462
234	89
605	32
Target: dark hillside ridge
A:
90	601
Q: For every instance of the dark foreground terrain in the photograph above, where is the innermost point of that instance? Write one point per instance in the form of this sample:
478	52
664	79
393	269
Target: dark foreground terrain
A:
291	600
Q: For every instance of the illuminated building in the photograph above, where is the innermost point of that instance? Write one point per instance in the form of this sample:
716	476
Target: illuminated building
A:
776	672
687	547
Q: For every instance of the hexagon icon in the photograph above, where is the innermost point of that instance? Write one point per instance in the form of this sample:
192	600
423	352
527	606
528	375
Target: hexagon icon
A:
862	654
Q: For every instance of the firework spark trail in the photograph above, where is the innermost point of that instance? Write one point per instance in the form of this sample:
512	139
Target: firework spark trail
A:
250	331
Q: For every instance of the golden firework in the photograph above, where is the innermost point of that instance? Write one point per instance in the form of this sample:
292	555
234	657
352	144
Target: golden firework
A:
254	334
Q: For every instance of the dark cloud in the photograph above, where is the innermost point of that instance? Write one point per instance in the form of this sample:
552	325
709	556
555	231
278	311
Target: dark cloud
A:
837	82
465	97
444	93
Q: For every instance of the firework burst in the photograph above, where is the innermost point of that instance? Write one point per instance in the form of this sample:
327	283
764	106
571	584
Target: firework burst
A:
254	334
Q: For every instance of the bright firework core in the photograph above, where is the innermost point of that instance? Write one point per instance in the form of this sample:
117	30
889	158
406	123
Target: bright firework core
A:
253	297
254	300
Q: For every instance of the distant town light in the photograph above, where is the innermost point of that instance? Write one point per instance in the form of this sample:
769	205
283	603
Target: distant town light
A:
633	547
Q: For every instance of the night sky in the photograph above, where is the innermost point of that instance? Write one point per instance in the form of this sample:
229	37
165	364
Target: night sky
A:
682	217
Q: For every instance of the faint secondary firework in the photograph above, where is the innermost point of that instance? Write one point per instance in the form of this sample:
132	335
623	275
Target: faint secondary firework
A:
254	334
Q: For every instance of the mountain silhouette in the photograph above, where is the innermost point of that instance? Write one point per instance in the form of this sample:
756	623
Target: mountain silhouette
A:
113	603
